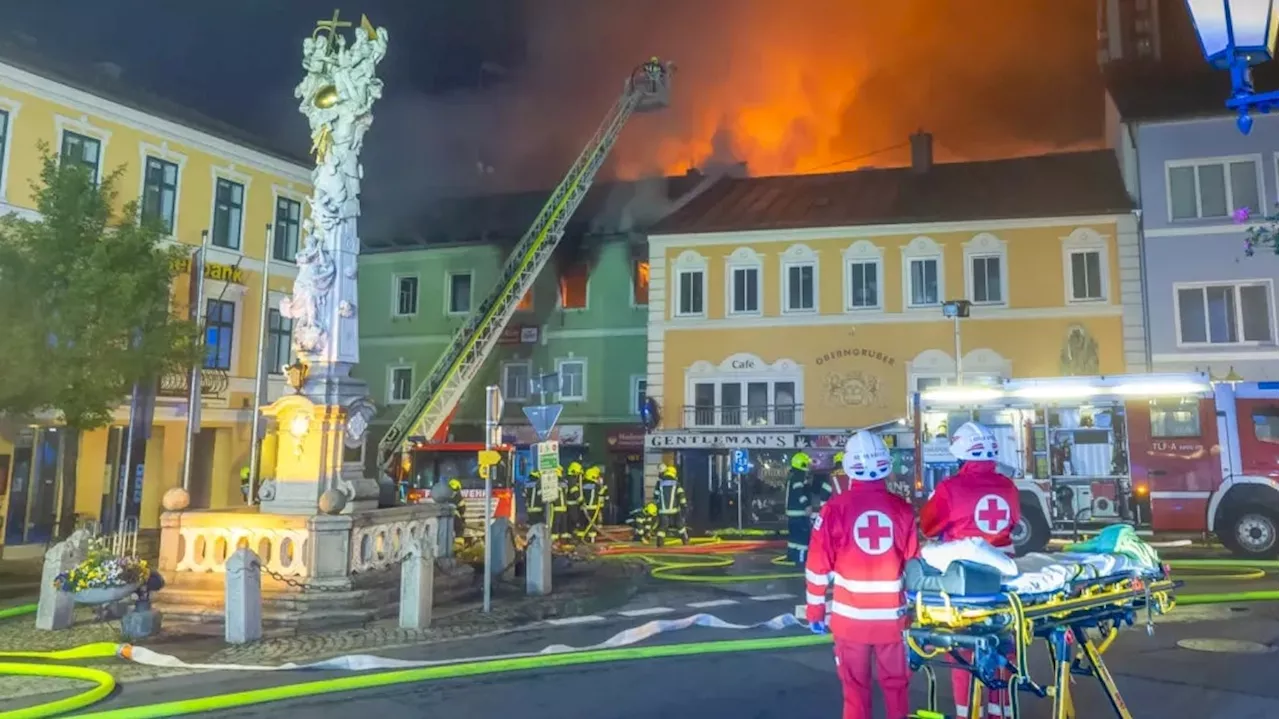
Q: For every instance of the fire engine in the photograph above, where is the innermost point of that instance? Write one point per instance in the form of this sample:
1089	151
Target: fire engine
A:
429	464
1163	452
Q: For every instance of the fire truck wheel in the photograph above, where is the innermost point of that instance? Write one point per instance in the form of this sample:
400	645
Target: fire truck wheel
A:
1251	532
1031	533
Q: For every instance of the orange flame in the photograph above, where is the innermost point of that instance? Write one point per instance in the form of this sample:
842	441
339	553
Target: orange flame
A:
828	86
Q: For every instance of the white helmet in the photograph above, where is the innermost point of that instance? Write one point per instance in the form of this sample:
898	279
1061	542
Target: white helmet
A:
866	458
973	443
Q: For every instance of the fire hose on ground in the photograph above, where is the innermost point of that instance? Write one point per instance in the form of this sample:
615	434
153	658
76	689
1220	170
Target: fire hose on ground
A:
691	564
671	564
620	647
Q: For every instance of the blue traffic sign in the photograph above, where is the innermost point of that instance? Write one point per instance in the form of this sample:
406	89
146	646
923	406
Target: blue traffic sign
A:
542	417
741	465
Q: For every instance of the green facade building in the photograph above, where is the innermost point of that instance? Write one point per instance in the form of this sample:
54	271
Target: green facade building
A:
584	320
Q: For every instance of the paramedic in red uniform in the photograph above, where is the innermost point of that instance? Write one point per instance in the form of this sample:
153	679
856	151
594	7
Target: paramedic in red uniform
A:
860	542
975	502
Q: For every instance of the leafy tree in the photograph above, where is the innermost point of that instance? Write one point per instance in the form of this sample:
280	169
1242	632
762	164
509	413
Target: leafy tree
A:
85	301
1261	236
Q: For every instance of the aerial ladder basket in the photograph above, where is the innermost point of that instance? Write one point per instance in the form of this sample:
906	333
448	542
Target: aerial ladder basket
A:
646	89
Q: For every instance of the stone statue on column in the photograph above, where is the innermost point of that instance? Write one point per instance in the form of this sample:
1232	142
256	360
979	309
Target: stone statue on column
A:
336	95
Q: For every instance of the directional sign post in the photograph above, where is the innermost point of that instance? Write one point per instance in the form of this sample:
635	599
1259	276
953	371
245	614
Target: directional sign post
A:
493	406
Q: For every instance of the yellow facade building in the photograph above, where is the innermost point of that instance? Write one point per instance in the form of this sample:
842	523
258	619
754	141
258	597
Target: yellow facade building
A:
195	175
788	310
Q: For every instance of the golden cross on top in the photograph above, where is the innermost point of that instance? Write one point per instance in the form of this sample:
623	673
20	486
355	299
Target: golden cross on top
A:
330	26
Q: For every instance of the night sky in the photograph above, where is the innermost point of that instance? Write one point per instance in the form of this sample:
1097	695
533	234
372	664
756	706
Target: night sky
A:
810	85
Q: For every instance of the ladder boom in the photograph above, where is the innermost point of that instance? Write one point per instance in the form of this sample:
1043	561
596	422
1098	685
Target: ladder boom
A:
435	397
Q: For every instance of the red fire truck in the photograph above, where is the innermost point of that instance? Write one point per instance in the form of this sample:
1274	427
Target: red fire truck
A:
427	464
1164	452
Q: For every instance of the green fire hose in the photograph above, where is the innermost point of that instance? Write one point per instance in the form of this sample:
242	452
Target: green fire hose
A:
670	566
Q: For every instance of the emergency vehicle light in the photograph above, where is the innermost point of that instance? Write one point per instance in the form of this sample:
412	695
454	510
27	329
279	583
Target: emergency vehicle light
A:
1161	389
1057	391
960	394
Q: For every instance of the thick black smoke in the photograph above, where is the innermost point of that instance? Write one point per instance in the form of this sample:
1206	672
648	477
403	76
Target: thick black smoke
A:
788	87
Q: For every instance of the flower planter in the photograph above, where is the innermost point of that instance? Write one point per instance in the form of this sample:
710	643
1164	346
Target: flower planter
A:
104	595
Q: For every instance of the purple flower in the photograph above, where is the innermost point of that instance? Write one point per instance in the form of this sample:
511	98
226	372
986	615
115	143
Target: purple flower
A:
1241	215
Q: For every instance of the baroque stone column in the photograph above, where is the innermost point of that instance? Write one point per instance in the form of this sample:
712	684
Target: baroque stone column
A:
336	96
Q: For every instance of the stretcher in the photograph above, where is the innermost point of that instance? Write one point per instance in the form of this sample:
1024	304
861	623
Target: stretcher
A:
989	635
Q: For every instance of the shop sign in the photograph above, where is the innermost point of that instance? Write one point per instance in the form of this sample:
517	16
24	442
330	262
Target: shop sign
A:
212	271
625	440
519	335
854	352
721	440
822	441
568	434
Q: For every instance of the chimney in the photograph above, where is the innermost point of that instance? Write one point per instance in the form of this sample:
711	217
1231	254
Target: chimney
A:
921	152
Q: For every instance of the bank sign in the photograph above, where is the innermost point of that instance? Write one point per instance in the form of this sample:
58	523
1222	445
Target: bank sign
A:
723	440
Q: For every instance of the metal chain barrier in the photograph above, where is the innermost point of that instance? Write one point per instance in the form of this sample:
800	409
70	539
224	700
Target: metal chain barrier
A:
289	581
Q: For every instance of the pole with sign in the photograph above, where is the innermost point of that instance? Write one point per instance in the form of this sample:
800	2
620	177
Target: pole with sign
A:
741	466
493	406
547	457
546	454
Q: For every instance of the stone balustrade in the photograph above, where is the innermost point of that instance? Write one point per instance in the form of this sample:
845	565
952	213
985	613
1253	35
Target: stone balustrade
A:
201	542
380	539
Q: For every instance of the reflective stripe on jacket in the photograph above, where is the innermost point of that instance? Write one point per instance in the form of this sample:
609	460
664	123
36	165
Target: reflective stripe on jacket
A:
860	543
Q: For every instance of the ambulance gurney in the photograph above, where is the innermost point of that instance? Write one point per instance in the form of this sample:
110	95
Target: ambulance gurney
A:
978	618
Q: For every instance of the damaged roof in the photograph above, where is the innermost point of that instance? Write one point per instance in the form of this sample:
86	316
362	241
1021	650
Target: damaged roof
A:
1057	185
610	208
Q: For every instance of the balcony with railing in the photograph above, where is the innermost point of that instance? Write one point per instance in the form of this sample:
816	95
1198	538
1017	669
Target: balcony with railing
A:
749	416
213	384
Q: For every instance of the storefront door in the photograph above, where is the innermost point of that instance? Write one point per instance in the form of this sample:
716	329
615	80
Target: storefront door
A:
15	524
42	503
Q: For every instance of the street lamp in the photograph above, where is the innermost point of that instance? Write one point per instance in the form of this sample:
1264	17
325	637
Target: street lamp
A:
1235	35
957	310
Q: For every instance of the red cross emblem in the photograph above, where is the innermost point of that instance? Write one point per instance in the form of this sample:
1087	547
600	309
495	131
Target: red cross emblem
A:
873	532
992	514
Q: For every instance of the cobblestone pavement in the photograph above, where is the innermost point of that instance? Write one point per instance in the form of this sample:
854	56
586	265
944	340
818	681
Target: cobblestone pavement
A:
585	588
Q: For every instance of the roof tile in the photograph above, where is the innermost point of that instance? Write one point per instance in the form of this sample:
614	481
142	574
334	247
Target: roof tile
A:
1056	185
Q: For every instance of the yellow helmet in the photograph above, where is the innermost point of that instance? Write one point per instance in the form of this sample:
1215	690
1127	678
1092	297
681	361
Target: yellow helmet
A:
455	485
669	472
575	468
800	461
651	509
535	474
837	460
592	474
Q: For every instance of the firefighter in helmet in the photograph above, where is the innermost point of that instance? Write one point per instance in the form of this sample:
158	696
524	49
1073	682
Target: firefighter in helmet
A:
561	527
535	505
572	489
836	482
594	494
245	475
459	508
798	509
669	496
642	523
